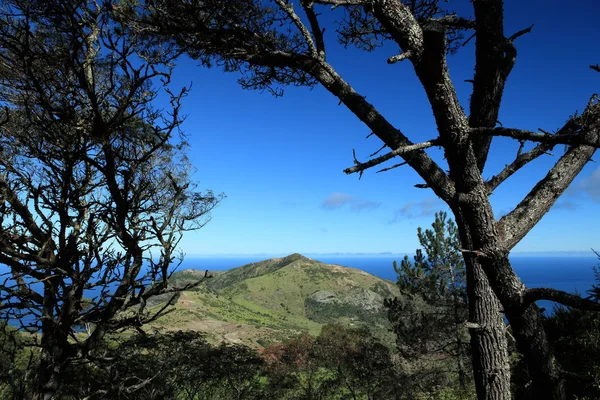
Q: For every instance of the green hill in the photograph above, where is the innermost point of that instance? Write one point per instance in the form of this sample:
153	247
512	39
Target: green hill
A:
278	298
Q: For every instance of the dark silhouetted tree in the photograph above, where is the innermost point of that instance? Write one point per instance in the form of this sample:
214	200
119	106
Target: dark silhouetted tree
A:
94	183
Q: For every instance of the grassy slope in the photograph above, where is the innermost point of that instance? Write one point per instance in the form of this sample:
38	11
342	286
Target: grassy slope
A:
267	301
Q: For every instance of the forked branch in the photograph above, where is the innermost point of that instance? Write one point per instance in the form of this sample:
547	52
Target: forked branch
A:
515	225
520	161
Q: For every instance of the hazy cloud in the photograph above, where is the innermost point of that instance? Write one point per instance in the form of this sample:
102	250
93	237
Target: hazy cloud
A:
361	204
565	205
590	185
338	200
416	209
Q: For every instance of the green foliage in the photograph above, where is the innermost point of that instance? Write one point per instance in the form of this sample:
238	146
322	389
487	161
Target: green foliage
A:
575	337
324	313
427	319
253	270
275	299
178	365
341	363
17	363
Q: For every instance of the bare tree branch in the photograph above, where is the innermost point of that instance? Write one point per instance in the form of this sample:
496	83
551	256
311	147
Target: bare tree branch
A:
520	33
573	137
516	224
521	160
494	59
315	27
399	151
558	296
289	10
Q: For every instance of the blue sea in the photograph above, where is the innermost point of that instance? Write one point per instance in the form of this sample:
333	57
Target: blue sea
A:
569	273
572	274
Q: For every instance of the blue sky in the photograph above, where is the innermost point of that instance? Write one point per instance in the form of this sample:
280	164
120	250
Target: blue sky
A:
279	161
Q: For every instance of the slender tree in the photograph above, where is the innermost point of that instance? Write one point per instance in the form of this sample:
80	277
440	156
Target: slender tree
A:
94	184
429	319
276	43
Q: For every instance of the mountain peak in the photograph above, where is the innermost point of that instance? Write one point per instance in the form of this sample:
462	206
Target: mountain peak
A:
254	270
295	257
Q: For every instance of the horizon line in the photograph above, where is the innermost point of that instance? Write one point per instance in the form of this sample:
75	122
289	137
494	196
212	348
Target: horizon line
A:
385	253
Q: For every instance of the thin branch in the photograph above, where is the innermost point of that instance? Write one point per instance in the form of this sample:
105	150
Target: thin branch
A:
454	21
378	151
392	167
464	44
521	160
573	137
595	67
520	33
337	3
317	32
558	296
289	10
399	151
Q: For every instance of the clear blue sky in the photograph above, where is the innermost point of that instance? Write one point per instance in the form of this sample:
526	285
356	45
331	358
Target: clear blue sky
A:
279	161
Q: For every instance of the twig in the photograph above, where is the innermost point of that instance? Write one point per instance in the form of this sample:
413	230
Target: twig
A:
468	40
478	253
399	151
392	167
377	152
520	33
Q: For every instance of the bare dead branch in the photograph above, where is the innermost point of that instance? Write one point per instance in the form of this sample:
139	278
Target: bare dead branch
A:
392	167
315	27
376	152
495	57
572	137
337	3
515	225
399	151
558	296
520	33
521	160
455	21
289	10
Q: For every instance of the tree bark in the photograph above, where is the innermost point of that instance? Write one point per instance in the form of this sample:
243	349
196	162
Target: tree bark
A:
489	347
481	236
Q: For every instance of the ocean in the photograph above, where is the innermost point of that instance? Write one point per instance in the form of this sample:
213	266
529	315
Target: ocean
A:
571	274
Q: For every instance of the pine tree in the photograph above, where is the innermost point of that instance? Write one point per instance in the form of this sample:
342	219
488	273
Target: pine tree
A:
428	318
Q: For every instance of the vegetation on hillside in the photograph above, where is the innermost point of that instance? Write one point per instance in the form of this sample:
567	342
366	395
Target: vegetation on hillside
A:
96	194
276	299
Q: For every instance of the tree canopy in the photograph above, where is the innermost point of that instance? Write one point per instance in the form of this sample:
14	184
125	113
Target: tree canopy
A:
94	181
